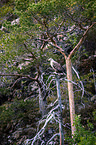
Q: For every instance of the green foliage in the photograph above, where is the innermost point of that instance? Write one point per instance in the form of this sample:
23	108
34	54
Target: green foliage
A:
83	136
47	8
18	110
83	8
32	18
21	4
6	9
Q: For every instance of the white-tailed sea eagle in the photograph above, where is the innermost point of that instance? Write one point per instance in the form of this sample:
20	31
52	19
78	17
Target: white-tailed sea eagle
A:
56	66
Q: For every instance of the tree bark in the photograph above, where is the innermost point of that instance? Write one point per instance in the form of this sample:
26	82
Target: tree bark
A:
42	103
60	112
71	94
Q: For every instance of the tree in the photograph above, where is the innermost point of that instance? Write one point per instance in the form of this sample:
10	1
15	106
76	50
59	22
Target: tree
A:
52	17
55	25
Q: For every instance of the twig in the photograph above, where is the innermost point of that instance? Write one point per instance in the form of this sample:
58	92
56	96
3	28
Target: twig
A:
80	81
52	137
20	75
52	104
80	41
49	117
15	83
49	78
25	45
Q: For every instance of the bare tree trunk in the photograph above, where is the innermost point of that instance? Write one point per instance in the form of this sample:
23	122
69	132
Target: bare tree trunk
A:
60	112
71	94
42	103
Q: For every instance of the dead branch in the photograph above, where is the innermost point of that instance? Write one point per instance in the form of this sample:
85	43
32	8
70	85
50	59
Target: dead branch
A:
82	86
57	134
20	75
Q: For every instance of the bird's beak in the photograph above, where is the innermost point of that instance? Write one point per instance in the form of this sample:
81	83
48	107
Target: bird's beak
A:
49	59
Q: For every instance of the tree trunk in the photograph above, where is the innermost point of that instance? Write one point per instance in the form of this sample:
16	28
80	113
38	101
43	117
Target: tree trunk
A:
42	103
60	112
71	94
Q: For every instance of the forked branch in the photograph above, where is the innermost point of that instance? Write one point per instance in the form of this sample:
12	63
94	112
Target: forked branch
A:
81	41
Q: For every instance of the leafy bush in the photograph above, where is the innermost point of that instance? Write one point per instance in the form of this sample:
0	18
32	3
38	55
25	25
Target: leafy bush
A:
83	136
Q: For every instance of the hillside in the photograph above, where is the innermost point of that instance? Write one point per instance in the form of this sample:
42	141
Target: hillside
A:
39	103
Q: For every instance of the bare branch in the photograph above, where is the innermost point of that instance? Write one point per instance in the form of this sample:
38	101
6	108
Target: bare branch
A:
59	49
52	104
78	23
81	41
37	18
25	45
20	75
81	27
72	82
49	117
53	41
80	81
59	27
52	138
15	83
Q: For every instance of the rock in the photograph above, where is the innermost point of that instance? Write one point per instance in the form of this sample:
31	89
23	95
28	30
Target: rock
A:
14	22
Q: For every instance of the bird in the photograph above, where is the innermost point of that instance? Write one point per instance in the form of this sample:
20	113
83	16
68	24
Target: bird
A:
56	66
4	29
